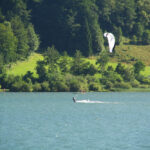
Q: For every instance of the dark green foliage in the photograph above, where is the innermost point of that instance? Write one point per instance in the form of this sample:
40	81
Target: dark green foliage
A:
92	69
77	62
120	69
21	86
138	67
64	64
2	17
8	43
134	40
127	73
2	69
28	77
45	86
37	87
51	57
89	50
74	85
77	24
138	30
41	71
143	10
118	35
94	87
22	36
122	85
135	84
103	60
71	25
142	79
146	37
33	39
7	81
16	84
111	76
81	67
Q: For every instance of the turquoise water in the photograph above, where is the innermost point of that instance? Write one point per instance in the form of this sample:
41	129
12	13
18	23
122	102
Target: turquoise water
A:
51	121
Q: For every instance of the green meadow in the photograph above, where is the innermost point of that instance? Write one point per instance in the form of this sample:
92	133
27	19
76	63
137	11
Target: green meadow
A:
21	67
126	54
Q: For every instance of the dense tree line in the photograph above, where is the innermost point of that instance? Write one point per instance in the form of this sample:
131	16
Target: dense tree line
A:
17	35
80	24
73	27
69	25
76	74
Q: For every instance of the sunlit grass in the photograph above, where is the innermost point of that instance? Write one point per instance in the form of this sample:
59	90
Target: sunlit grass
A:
146	72
21	67
128	52
124	52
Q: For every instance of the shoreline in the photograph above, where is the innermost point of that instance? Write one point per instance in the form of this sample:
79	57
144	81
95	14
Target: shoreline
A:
113	90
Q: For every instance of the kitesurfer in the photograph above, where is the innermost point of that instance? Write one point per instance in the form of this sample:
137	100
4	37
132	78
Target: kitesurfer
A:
74	100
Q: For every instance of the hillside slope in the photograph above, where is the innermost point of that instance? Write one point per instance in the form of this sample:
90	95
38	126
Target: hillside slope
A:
21	67
130	53
127	54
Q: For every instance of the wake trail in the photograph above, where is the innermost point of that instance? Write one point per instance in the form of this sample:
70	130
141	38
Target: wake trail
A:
94	102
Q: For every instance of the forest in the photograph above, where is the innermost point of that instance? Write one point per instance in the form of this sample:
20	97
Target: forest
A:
66	33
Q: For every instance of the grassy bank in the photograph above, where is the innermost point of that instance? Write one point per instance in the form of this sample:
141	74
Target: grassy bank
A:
21	67
126	54
135	90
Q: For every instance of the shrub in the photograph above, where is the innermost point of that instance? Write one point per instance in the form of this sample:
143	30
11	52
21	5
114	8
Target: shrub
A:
123	85
135	83
21	86
92	70
45	86
92	79
61	87
143	80
37	87
74	85
108	85
94	87
138	67
144	86
134	40
146	37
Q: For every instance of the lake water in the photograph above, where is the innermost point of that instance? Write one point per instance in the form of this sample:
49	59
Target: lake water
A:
51	121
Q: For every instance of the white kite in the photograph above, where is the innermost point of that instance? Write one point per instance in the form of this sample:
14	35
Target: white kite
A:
111	41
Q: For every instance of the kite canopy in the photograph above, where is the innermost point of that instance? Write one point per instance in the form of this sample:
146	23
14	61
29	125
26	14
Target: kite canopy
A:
111	40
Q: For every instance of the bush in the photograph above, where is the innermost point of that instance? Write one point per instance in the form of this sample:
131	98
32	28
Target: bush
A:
61	87
135	84
144	86
95	87
138	67
92	70
21	86
74	85
92	79
45	86
122	85
108	85
37	87
143	80
146	37
134	40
